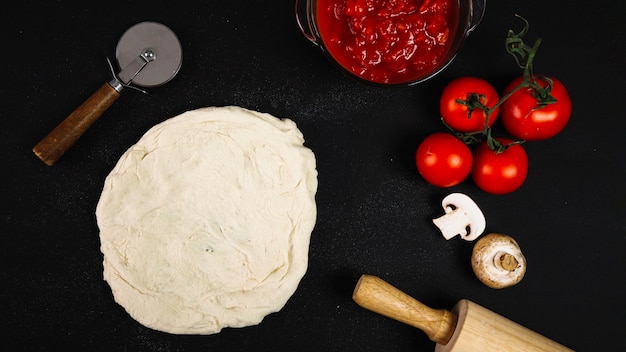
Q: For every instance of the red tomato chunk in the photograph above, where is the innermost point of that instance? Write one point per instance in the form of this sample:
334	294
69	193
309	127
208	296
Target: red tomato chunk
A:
387	41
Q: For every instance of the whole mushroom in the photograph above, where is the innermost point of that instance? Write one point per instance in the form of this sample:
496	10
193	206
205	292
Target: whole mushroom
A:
497	261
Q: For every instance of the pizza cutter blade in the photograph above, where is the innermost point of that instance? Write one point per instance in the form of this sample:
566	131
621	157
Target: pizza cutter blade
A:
149	55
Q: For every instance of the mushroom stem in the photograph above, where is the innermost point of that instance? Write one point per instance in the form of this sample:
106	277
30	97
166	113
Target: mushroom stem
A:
506	261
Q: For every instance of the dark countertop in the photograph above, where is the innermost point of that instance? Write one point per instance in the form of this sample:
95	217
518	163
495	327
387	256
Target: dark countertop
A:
374	210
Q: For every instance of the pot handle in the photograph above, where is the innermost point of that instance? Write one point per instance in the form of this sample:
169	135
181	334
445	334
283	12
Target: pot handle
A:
303	11
478	11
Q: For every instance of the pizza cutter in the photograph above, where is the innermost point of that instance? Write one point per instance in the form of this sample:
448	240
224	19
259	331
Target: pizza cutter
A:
148	53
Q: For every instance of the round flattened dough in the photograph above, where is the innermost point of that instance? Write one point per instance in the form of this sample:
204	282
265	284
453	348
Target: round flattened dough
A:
205	222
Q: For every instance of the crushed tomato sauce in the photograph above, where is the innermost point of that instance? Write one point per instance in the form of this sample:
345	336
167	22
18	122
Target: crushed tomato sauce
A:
387	41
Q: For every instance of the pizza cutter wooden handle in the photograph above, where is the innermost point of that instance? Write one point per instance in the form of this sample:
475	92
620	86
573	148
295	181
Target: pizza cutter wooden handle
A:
468	327
378	296
57	142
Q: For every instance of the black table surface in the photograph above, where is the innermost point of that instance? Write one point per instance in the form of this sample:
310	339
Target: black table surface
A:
374	210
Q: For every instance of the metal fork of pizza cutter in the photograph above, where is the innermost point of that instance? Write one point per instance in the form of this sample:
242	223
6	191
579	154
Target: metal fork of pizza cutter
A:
149	55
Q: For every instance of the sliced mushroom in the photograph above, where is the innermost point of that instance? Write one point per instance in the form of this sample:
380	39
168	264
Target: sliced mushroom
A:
498	261
463	217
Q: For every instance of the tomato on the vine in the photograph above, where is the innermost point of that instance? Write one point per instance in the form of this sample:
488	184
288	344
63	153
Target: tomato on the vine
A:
443	160
473	91
524	117
500	173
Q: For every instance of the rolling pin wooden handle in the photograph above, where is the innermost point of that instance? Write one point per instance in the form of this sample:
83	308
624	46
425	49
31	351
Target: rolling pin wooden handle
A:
379	296
57	142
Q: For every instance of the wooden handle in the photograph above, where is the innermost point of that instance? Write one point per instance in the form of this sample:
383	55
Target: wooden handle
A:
57	142
378	296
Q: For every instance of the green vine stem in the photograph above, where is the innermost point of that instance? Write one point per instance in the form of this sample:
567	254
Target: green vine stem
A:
524	56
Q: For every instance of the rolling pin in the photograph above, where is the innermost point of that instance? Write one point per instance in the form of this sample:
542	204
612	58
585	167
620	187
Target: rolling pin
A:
467	327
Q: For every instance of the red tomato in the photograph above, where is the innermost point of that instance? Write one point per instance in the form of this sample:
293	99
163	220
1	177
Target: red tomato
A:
499	173
524	119
456	115
443	160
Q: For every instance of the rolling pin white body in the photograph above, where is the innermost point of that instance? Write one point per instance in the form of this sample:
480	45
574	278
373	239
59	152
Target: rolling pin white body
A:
467	328
479	329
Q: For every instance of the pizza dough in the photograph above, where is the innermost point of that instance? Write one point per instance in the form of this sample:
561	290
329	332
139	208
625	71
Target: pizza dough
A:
205	222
